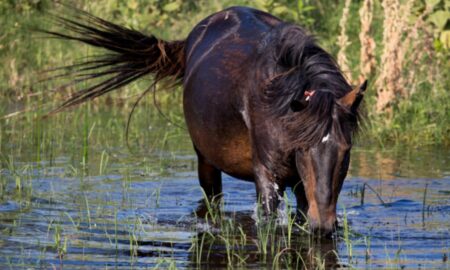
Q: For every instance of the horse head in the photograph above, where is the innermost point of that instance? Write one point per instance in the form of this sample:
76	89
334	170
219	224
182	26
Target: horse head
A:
323	165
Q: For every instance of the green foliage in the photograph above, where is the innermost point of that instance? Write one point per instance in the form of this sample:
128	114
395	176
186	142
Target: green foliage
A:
25	54
422	120
23	6
295	11
439	18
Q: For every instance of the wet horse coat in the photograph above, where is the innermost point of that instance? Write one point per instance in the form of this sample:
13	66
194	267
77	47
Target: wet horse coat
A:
262	102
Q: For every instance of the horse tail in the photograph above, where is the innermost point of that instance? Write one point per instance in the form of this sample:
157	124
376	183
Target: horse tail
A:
131	56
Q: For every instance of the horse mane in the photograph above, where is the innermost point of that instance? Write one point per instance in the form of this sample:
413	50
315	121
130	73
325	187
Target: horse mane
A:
302	65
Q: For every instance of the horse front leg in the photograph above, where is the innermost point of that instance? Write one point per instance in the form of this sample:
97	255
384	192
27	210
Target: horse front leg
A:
268	189
302	202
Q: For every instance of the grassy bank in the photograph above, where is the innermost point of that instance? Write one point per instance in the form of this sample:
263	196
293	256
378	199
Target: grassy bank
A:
408	100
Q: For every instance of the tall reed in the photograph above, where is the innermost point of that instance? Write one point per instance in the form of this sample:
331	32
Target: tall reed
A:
367	62
390	82
343	41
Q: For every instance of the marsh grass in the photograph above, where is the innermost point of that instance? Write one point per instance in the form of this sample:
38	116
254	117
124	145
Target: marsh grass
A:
41	157
220	237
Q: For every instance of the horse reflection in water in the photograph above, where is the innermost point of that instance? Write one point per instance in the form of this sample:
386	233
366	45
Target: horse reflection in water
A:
262	101
262	246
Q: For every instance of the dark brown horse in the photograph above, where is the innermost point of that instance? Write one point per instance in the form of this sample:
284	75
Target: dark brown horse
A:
262	101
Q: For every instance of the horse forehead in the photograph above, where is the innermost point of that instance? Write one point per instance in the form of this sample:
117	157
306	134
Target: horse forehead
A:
339	141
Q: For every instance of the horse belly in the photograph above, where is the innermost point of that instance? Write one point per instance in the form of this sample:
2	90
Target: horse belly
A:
227	151
217	130
236	159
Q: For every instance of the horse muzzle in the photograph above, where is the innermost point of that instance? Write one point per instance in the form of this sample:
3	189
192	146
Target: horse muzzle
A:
323	225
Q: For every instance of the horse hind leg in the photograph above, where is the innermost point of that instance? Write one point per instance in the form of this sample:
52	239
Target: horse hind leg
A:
210	177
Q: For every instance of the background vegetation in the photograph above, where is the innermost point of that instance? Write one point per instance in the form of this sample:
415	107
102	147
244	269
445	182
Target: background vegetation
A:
402	47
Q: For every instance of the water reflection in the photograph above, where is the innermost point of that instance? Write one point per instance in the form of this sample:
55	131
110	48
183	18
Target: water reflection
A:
400	162
242	243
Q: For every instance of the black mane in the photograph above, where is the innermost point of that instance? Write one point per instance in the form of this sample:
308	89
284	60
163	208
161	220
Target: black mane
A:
301	65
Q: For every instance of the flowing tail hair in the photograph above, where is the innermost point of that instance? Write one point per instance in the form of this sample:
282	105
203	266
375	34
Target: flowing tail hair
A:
131	56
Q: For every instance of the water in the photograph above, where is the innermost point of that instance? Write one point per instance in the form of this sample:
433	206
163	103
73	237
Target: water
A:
73	196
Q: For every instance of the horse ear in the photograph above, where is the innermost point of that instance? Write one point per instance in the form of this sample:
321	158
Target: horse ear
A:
353	98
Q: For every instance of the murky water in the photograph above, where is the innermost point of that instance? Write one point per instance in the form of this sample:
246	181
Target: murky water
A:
73	196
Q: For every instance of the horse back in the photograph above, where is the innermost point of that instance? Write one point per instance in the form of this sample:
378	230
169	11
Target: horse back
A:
234	25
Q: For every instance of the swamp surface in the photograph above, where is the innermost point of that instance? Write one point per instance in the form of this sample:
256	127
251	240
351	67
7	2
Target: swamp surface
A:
74	195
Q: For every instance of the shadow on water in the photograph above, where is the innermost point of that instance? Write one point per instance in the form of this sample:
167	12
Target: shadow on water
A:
76	198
